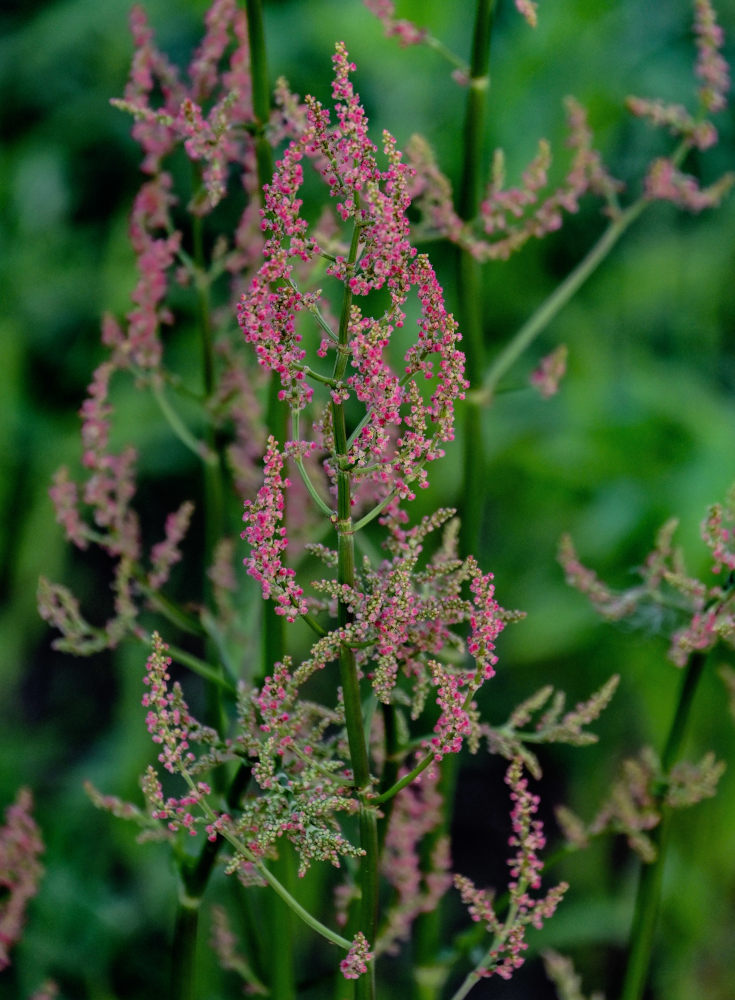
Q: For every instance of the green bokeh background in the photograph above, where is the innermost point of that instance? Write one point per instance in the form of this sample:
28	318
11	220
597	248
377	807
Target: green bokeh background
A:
642	429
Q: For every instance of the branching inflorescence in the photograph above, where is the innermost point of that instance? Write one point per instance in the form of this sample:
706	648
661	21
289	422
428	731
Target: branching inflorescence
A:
339	748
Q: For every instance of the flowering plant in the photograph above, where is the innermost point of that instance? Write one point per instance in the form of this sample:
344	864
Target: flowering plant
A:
323	410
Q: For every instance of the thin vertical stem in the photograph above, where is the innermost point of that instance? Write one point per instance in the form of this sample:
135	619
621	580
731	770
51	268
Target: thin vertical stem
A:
548	309
469	284
194	878
468	277
651	876
183	952
390	769
365	985
214	505
261	89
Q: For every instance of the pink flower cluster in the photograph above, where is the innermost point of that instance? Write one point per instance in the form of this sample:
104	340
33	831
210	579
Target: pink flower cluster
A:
528	9
552	369
711	67
174	730
267	537
356	962
633	807
505	954
20	870
419	887
486	624
504	212
304	784
168	718
210	116
512	216
403	425
709	610
211	138
105	499
664	180
215	138
718	537
405	31
165	554
401	620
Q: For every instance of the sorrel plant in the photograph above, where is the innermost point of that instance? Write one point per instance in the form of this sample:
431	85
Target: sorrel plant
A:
334	736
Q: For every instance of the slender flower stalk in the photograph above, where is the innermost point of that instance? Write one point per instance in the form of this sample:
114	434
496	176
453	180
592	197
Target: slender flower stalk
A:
549	309
469	284
650	880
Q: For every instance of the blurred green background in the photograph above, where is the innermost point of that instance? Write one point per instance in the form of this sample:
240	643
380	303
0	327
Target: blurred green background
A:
642	429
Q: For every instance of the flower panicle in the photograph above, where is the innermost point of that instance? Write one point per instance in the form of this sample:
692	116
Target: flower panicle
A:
403	428
711	68
664	180
550	371
165	554
418	886
513	738
174	730
637	797
355	964
224	945
529	11
406	32
510	216
267	537
21	846
667	594
560	971
181	119
506	952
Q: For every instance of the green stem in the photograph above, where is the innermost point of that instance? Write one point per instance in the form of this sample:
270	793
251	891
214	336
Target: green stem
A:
473	978
212	674
261	90
311	489
214	503
469	284
294	905
365	985
183	951
194	879
266	874
548	310
395	788
468	276
677	733
651	876
281	972
183	972
170	610
390	769
177	425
